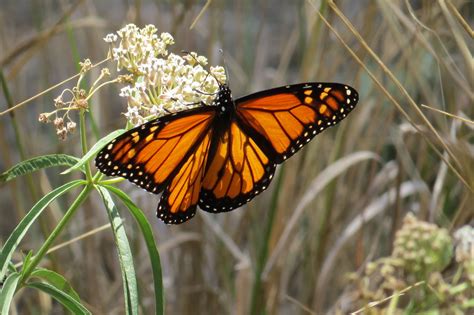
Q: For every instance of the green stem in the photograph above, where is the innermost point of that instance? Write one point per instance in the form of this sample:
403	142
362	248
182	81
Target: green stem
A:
112	181
82	127
99	87
54	234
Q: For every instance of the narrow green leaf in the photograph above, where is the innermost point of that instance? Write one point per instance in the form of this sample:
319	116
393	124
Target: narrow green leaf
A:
125	254
11	268
7	292
468	304
65	299
27	261
56	280
36	164
94	150
19	232
458	288
150	244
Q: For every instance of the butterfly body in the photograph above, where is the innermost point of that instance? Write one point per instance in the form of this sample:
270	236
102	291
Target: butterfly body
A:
220	156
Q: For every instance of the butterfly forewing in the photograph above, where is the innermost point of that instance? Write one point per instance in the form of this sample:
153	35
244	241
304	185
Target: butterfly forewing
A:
284	119
151	154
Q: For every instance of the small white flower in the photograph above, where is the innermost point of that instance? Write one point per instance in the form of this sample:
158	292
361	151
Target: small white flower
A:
126	91
163	82
167	38
110	38
140	86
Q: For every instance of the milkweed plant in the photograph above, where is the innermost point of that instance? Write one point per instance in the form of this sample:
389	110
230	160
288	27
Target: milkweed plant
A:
154	82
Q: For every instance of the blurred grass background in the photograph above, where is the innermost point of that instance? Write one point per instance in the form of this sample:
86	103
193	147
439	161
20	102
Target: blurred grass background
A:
332	208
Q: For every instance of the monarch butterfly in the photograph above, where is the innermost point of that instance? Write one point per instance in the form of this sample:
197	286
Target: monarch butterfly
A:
221	156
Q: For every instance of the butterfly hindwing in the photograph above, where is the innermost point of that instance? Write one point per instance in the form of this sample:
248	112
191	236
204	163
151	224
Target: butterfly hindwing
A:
151	154
180	198
238	171
284	119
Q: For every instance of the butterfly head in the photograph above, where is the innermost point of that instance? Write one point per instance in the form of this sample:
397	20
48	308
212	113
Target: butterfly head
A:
223	100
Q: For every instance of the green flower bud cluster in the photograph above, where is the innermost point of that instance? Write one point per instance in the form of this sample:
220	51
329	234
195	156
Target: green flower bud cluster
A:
421	247
422	275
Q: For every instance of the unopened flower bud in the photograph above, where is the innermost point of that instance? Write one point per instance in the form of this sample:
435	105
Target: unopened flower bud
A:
62	133
43	118
81	103
71	126
58	123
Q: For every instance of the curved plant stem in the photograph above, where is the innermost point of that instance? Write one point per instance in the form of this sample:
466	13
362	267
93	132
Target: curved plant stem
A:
54	234
82	123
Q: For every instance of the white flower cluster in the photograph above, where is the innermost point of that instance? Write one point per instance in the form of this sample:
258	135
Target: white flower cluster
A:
163	82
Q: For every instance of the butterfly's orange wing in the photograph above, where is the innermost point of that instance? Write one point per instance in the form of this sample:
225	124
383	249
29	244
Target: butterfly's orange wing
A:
221	156
284	119
269	127
169	152
179	199
239	170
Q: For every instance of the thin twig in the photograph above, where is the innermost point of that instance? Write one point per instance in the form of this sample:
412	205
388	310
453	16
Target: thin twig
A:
47	90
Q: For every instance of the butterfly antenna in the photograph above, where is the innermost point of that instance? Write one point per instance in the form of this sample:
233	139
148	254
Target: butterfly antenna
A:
209	73
225	67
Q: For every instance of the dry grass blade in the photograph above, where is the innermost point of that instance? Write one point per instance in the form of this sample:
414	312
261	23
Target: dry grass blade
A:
204	8
316	186
74	240
375	303
24	46
375	208
449	64
300	305
402	89
244	260
461	20
462	45
38	47
469	121
178	240
390	97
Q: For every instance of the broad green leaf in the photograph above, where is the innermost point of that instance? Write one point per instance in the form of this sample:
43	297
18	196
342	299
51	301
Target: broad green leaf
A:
125	254
65	299
150	244
94	150
7	292
36	164
19	232
56	280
